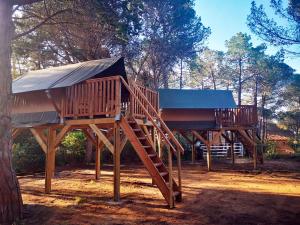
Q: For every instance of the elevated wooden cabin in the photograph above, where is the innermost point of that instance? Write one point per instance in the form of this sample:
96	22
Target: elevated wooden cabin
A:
96	97
208	115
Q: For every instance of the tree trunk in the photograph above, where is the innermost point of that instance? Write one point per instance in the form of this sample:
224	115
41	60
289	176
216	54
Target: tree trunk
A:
256	91
88	151
10	196
264	131
181	76
213	79
240	83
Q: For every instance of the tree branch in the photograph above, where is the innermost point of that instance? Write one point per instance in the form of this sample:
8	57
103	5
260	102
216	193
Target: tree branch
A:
39	24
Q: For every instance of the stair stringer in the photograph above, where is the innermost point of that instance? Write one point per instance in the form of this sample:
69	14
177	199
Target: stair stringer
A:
248	143
143	155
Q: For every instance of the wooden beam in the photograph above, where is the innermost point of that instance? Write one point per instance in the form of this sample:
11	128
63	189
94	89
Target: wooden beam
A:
62	134
50	159
98	158
90	121
37	135
193	149
102	137
186	137
16	132
90	136
117	161
123	143
216	137
232	149
200	137
159	145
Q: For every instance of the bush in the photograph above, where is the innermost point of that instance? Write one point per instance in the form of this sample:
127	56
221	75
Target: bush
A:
270	150
27	154
72	148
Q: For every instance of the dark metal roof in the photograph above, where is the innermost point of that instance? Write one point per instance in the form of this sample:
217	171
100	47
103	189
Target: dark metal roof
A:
68	75
195	99
34	119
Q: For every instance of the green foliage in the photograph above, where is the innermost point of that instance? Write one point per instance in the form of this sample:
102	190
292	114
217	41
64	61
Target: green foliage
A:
72	148
272	30
270	150
27	154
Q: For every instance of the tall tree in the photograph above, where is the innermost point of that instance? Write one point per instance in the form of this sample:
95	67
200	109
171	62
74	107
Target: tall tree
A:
277	33
74	30
290	100
171	32
10	196
209	70
238	52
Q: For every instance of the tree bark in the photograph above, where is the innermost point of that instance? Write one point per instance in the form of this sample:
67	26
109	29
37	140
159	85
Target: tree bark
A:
256	91
88	151
181	76
10	197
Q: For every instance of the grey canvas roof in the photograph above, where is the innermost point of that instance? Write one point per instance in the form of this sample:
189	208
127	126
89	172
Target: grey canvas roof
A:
195	99
34	119
68	75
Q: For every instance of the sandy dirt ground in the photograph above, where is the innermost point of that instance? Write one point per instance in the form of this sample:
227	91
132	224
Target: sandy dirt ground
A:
227	195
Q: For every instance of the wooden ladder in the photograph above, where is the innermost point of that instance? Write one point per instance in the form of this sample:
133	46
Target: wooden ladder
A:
155	166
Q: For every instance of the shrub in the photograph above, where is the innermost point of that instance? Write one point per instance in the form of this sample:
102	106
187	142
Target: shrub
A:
72	148
270	150
27	154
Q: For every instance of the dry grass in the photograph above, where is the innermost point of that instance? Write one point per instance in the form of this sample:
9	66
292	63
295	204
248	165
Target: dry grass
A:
225	196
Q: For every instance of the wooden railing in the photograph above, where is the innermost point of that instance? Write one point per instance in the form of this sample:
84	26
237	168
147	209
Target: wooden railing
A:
156	120
244	115
94	97
151	96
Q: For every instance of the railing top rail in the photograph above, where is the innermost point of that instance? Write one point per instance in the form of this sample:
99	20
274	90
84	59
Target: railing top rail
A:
170	134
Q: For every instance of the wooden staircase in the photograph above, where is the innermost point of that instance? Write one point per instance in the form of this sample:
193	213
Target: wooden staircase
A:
160	173
249	144
155	166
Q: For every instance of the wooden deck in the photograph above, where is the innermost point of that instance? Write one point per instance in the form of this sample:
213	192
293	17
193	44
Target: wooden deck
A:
107	97
103	97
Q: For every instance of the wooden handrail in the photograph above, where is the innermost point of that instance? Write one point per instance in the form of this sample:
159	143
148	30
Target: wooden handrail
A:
243	115
162	123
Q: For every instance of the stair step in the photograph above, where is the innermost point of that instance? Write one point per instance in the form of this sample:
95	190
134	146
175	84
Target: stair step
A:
152	155
158	164
147	146
131	121
163	174
142	138
136	129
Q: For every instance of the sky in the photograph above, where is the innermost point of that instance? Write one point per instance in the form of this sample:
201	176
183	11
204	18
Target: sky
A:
228	17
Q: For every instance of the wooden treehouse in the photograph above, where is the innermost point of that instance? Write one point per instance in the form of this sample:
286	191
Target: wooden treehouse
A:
97	97
209	115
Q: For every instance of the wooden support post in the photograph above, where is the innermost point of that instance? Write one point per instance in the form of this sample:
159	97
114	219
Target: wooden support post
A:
254	150
50	159
117	150
98	159
208	156
170	166
193	150
232	149
179	169
159	147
